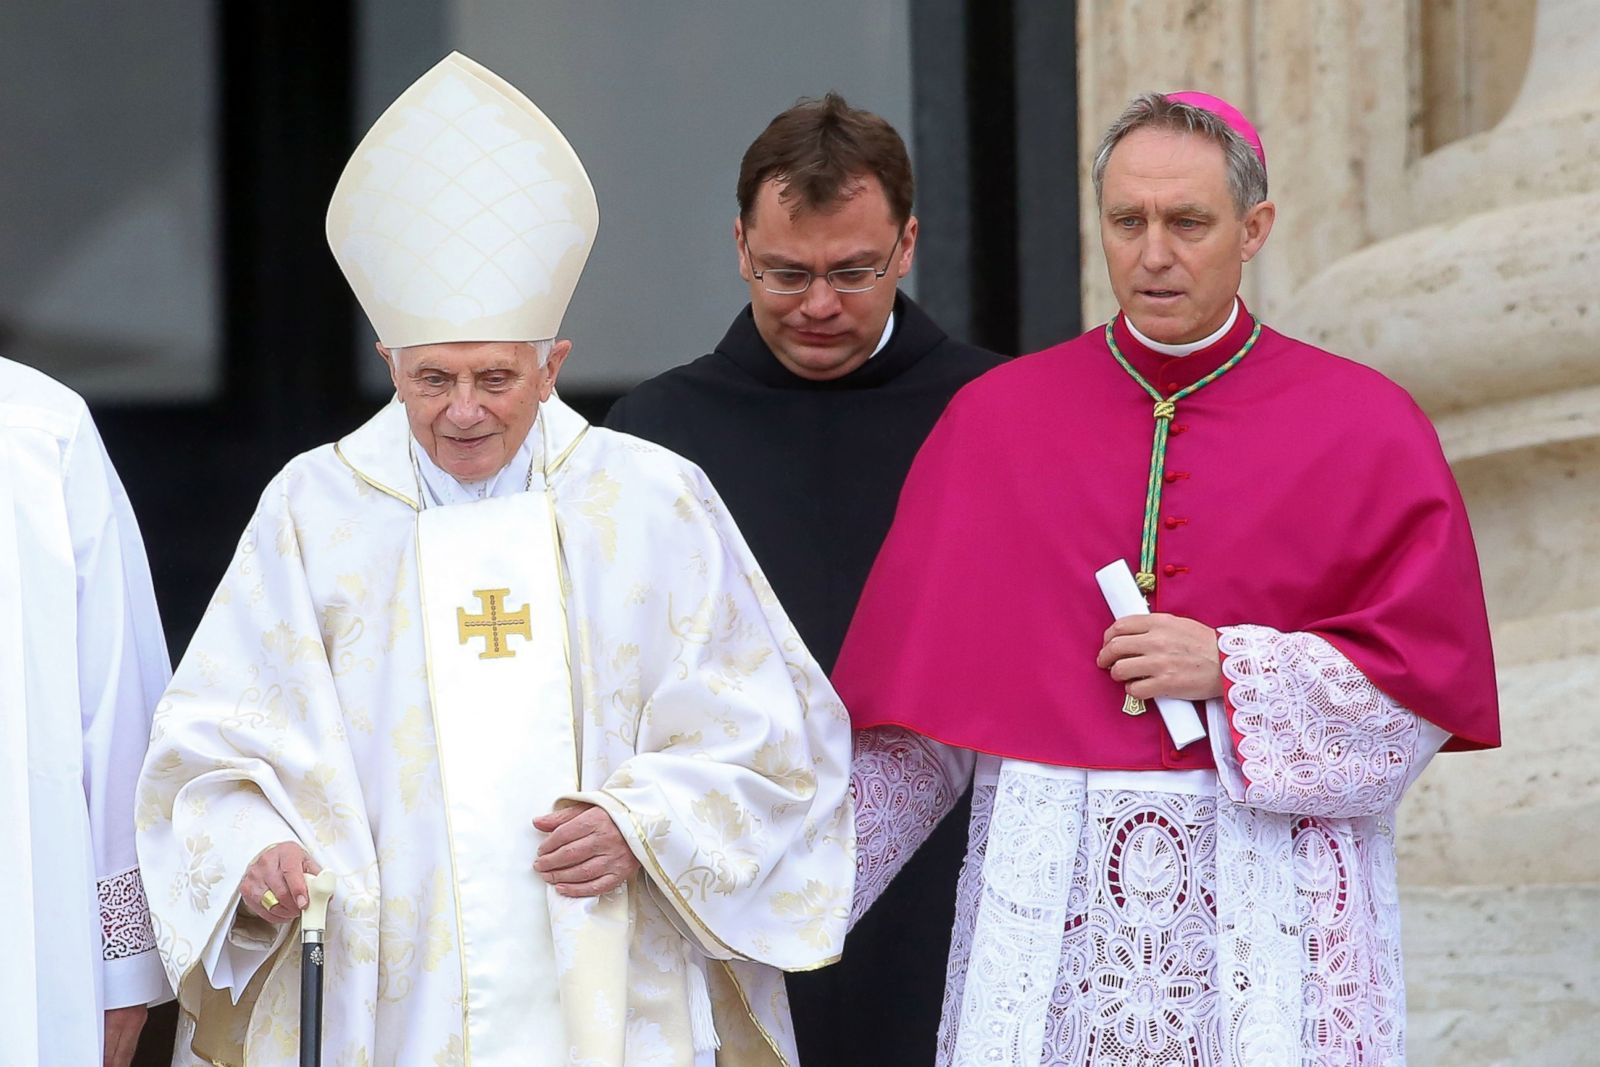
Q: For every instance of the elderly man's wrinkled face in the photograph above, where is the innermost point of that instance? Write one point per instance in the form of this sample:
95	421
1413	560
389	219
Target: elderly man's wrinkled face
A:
822	334
1175	244
472	403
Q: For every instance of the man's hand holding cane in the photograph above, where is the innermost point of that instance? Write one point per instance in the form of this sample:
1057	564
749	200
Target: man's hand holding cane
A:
274	888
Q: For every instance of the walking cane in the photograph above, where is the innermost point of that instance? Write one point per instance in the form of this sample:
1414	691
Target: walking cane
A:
313	921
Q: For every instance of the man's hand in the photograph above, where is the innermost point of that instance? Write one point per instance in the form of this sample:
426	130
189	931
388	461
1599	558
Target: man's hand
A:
280	870
1163	656
585	854
122	1034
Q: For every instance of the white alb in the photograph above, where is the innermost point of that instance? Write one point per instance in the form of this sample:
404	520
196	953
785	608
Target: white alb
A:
82	664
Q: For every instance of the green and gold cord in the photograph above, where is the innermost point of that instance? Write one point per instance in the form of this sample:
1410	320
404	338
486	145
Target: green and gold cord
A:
1165	409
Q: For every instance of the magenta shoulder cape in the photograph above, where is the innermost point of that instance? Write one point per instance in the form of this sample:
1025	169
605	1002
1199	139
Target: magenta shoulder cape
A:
1303	491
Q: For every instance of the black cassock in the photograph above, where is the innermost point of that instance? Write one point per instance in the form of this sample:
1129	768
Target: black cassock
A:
811	472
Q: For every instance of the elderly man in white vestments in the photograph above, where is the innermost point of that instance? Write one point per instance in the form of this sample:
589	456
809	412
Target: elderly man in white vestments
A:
82	664
516	680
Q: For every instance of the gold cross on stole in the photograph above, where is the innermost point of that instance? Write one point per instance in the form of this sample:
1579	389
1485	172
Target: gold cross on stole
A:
494	622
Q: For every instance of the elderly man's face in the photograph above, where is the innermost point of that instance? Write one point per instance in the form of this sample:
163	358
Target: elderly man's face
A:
822	334
1175	245
472	403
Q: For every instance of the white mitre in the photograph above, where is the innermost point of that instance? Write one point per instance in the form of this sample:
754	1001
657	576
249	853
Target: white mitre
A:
463	215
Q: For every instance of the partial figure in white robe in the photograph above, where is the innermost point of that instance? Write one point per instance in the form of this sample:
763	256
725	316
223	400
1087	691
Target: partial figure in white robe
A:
467	628
82	664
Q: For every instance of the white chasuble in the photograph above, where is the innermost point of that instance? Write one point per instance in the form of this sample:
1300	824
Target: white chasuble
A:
403	689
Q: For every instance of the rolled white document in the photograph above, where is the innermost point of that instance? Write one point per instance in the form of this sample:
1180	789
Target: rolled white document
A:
1124	599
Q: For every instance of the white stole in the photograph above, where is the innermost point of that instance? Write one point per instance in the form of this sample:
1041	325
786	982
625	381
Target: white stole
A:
496	631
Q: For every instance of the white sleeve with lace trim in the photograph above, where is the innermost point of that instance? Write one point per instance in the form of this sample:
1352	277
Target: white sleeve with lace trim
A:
904	784
131	968
1302	731
122	669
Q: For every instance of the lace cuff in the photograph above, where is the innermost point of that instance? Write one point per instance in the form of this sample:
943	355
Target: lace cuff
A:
124	916
1308	733
903	785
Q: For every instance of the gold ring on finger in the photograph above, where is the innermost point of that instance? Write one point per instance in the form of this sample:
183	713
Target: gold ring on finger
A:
269	900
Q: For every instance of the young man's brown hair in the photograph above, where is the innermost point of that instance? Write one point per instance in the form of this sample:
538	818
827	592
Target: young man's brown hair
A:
817	150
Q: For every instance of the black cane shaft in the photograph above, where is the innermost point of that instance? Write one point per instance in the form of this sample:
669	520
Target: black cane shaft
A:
311	1004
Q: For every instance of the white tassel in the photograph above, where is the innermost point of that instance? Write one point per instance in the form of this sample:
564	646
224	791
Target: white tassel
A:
702	1024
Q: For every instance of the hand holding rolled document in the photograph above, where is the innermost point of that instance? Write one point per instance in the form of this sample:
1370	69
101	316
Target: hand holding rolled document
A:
1123	597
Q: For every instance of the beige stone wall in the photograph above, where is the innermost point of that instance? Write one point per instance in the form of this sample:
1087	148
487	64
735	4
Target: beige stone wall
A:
1436	166
1293	67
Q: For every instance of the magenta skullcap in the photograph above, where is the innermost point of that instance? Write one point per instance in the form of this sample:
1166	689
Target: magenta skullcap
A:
1227	113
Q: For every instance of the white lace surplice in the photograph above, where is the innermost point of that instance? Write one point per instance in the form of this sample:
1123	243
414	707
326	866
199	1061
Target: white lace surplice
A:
1114	959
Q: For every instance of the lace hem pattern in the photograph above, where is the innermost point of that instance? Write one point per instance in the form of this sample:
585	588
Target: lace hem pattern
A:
124	916
1255	926
902	790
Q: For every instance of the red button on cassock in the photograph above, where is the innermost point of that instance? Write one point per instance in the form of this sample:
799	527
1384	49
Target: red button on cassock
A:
1175	476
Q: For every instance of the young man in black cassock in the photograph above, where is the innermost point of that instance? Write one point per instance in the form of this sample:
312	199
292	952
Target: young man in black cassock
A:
806	417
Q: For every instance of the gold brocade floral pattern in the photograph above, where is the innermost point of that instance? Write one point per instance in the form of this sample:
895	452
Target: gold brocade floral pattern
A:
281	643
303	712
781	762
718	845
729	864
414	932
818	907
595	503
314	799
274	1033
203	871
612	686
412	741
452	1055
159	789
286	538
359	907
726	647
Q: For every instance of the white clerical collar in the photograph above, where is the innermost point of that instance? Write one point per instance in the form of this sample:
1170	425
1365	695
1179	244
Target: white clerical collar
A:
1192	346
441	488
888	332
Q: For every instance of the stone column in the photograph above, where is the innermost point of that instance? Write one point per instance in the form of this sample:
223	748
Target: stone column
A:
1486	306
1338	69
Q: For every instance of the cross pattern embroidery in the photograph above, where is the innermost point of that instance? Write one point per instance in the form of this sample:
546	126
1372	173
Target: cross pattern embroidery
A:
494	624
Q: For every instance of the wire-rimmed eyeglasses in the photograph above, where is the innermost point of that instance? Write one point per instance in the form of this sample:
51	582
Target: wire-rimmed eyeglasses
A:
792	281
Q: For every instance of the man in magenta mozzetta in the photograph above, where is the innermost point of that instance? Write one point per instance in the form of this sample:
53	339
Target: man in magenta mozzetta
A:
1314	590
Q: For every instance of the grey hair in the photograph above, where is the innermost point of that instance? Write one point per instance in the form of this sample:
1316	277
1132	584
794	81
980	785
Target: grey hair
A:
541	348
1247	175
